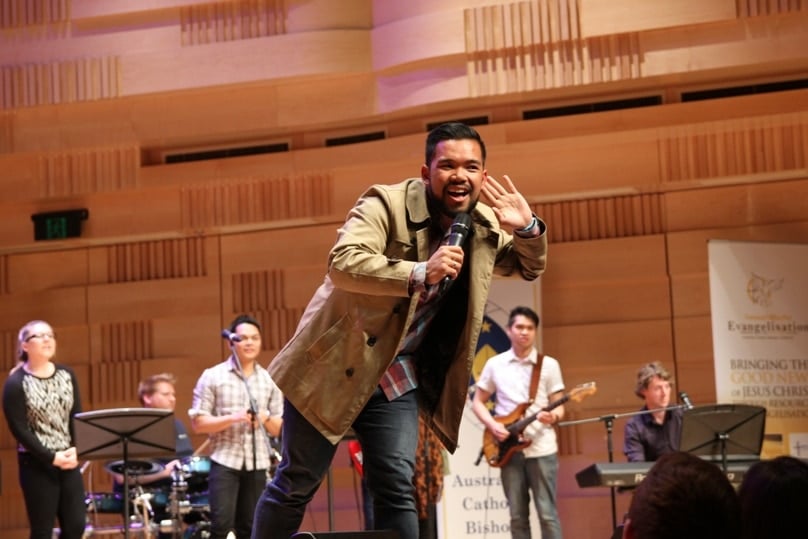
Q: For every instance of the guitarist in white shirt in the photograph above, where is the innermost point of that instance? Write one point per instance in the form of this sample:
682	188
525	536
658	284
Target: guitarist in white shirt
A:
533	468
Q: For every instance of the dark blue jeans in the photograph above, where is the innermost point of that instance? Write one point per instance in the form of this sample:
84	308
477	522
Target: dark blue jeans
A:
388	432
233	495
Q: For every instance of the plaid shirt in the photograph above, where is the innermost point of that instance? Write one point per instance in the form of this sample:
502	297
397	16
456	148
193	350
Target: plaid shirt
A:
221	391
400	377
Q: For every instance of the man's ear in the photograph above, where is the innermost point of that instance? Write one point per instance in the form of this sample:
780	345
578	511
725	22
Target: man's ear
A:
425	173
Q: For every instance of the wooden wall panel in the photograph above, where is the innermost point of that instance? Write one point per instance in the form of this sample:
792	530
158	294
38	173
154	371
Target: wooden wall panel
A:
538	45
619	345
304	280
765	144
613	161
315	53
275	249
691	293
613	260
620	16
173	258
693	345
68	81
12	510
138	213
31	272
720	114
35	18
766	40
202	24
764	203
689	249
193	337
91	170
588	302
170	298
59	306
240	202
757	8
406	42
603	217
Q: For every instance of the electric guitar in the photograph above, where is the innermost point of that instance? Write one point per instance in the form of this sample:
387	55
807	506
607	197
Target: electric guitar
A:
497	454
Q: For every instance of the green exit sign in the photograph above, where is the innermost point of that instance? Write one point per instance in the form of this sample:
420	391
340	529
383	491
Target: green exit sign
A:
58	225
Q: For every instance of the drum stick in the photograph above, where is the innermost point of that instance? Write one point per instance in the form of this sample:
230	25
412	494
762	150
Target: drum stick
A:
202	447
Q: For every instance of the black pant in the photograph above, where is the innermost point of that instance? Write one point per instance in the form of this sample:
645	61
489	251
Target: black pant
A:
233	495
52	493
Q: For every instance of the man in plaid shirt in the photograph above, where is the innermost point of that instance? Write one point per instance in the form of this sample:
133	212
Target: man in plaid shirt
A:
239	429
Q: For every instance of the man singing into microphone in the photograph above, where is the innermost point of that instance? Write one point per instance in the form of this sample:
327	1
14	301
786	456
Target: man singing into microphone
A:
384	338
234	402
649	436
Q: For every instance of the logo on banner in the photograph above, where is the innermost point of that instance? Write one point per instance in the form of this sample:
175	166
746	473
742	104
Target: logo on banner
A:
760	289
492	341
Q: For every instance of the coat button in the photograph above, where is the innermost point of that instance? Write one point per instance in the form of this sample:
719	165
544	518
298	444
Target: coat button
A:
349	372
371	341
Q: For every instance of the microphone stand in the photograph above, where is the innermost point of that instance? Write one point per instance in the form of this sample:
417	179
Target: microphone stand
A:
253	406
608	422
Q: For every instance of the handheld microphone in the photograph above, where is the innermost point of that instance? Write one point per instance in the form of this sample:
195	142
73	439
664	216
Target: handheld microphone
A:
456	235
230	336
685	400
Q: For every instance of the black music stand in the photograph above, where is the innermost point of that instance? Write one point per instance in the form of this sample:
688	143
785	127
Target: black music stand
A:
724	432
124	433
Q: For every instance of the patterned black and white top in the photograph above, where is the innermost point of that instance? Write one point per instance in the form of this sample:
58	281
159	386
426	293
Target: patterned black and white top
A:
40	411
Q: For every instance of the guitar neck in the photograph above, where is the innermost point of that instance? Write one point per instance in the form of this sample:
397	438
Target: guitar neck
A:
518	426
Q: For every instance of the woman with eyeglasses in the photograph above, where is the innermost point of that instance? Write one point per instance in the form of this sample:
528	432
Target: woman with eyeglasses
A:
40	398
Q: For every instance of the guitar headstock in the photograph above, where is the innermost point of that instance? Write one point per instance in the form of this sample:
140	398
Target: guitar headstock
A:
583	390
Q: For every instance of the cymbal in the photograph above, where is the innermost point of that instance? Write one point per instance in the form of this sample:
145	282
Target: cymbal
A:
134	467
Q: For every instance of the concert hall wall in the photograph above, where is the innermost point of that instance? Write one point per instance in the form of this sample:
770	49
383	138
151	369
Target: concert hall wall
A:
217	146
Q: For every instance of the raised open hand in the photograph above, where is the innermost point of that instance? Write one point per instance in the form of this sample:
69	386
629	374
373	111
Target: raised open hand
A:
508	204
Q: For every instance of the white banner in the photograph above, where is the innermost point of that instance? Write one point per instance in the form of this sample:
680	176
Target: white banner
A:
473	502
759	303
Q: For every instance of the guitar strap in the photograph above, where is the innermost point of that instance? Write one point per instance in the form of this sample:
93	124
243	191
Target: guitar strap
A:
534	378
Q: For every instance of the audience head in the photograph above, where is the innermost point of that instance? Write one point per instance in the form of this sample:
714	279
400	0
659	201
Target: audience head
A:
158	391
774	494
683	496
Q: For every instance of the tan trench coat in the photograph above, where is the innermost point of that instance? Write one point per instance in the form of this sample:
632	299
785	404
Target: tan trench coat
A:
356	320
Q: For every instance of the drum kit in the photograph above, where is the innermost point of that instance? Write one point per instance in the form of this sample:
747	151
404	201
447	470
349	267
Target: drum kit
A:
181	510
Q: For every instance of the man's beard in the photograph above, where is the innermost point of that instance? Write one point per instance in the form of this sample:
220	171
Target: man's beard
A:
437	207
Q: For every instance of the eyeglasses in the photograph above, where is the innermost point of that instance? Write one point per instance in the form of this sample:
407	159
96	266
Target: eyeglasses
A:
40	336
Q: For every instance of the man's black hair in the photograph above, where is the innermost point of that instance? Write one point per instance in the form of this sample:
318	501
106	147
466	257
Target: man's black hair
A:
244	319
451	131
527	312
